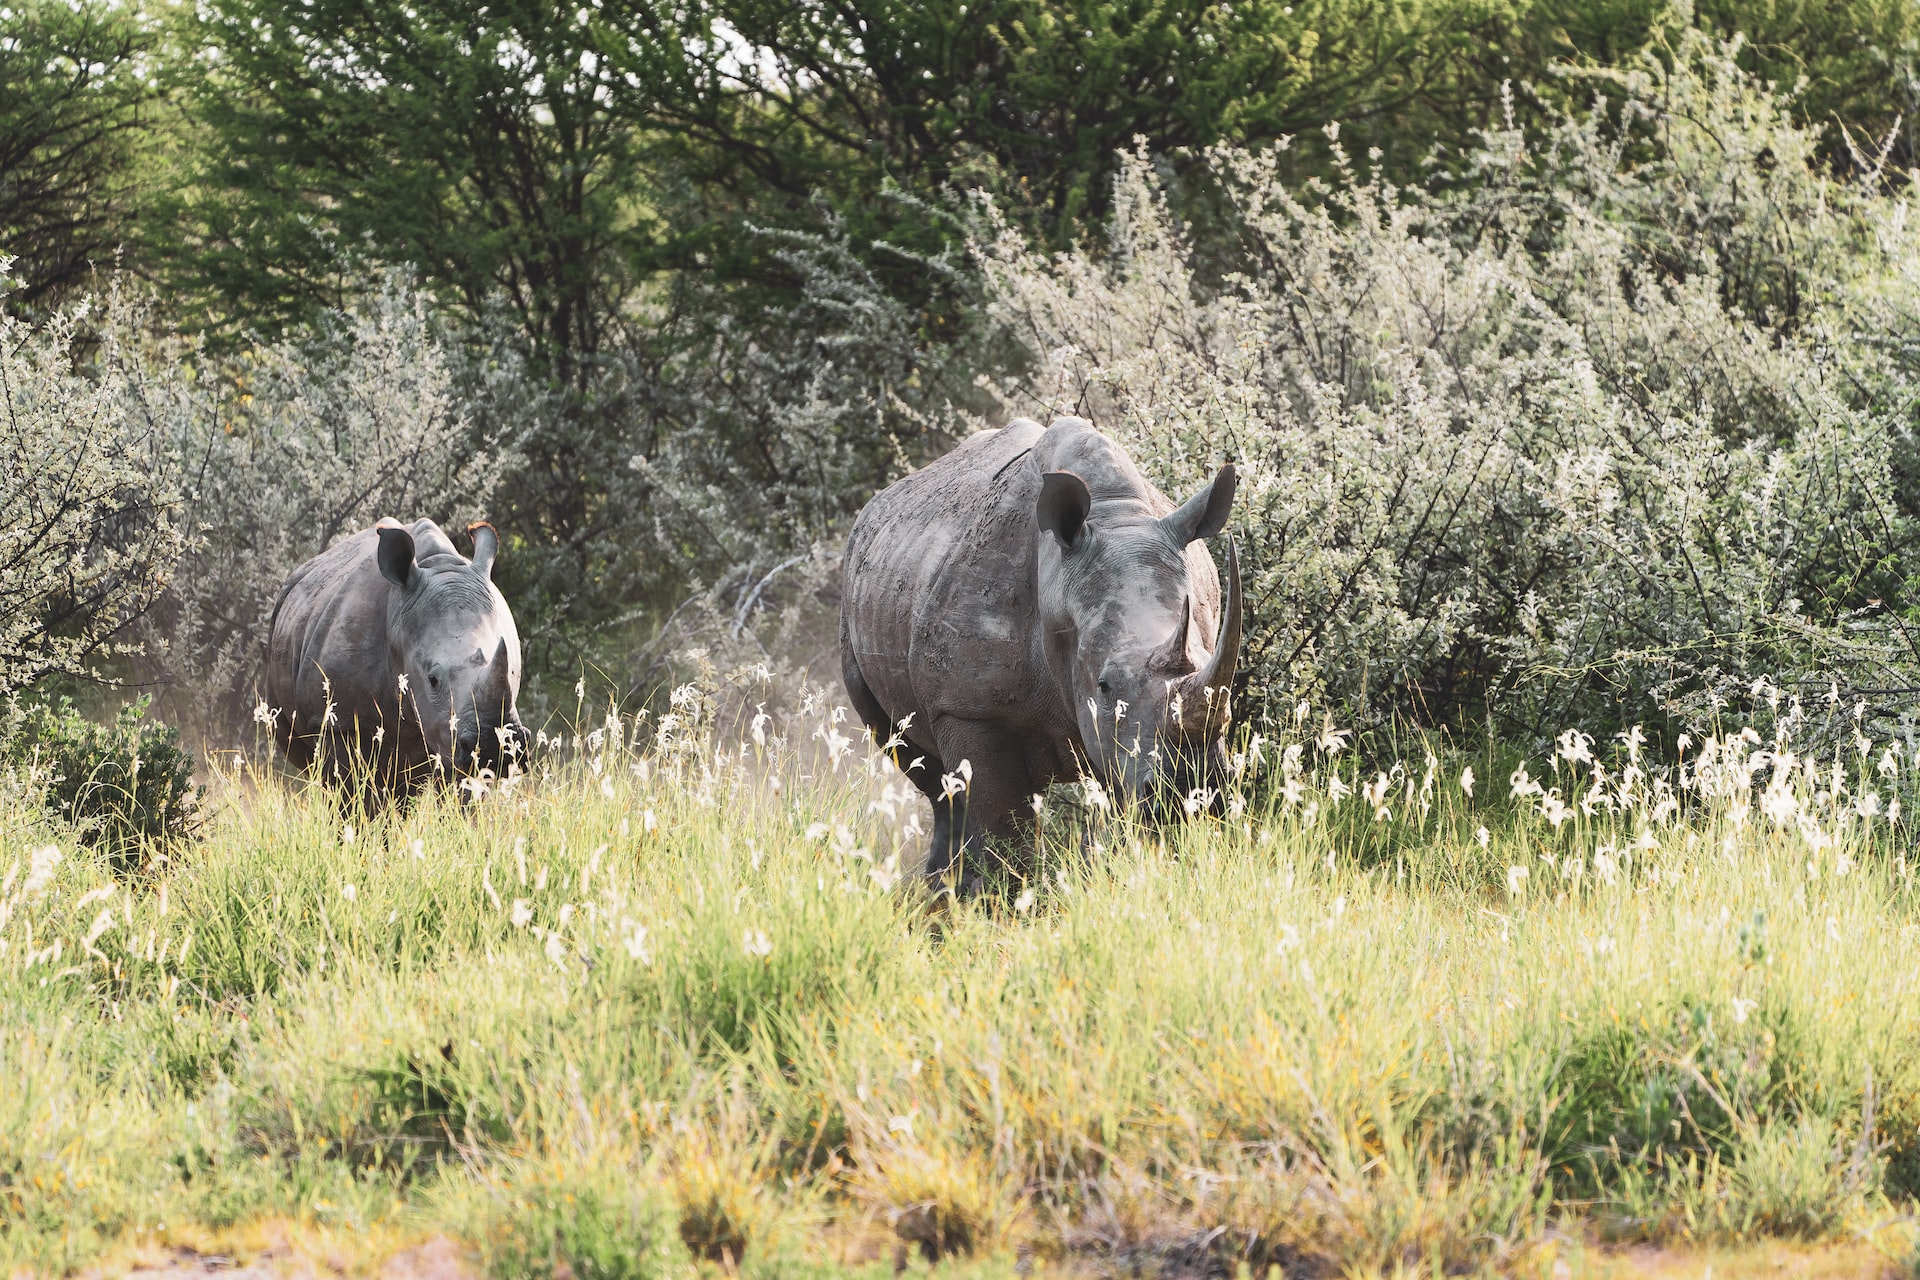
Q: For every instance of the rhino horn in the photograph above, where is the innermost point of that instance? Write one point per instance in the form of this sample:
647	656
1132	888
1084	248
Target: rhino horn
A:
1172	655
1217	675
486	543
496	694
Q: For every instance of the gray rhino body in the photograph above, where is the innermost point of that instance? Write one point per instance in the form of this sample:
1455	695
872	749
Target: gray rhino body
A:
392	650
1030	605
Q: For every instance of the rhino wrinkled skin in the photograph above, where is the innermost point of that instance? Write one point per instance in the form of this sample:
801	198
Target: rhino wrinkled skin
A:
411	650
1030	605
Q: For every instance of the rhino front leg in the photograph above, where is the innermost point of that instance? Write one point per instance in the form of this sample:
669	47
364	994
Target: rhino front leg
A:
989	806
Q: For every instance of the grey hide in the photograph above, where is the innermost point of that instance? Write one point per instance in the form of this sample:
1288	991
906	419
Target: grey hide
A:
411	646
1030	605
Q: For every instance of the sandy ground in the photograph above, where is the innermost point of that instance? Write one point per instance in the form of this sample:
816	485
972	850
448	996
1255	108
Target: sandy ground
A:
282	1251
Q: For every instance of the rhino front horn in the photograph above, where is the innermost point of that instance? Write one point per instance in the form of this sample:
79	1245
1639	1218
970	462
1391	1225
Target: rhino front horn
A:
1217	675
497	692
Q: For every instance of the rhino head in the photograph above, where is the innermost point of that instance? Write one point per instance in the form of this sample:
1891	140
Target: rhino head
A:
452	642
1117	602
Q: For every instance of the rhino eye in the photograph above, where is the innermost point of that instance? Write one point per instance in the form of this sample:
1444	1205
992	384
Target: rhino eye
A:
433	682
1106	688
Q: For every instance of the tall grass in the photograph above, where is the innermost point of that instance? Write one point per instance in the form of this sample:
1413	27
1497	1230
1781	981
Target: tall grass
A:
669	1002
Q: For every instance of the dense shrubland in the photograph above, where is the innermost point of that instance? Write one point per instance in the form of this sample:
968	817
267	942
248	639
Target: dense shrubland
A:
1600	419
1608	421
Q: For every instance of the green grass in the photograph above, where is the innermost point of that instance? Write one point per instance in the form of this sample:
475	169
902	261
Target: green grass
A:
662	1009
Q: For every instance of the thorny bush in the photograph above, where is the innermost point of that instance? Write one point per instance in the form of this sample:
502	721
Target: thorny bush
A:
1595	429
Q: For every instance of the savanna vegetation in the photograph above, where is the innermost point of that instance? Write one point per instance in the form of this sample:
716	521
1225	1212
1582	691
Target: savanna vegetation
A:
1560	894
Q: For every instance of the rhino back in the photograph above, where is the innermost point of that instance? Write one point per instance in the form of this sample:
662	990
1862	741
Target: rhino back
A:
330	629
939	591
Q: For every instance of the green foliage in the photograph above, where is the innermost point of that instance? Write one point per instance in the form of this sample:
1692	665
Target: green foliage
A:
498	151
75	102
126	787
1037	97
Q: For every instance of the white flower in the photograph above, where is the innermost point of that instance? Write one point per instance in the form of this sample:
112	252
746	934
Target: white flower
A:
1466	780
348	892
1554	810
556	950
1483	837
1741	1008
902	1124
1517	880
40	869
1024	903
636	943
101	923
346	834
757	944
838	745
522	913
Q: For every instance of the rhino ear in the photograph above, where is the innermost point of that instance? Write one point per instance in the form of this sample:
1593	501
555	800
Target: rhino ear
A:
1063	506
485	544
1205	513
395	555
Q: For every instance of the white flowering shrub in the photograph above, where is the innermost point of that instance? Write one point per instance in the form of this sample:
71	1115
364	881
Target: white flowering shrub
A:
1605	425
89	527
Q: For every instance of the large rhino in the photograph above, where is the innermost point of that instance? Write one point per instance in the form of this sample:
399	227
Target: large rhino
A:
392	650
1030	605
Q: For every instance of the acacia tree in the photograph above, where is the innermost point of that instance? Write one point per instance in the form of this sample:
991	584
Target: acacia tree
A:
72	101
491	147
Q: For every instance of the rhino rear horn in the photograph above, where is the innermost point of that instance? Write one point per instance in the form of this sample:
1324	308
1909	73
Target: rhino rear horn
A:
395	555
1205	513
486	544
1172	655
1063	506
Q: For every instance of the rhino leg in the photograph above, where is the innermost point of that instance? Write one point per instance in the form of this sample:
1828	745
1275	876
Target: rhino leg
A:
990	806
943	847
865	705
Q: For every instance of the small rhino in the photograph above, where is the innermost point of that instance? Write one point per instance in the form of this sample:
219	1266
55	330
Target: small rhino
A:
1031	606
392	650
